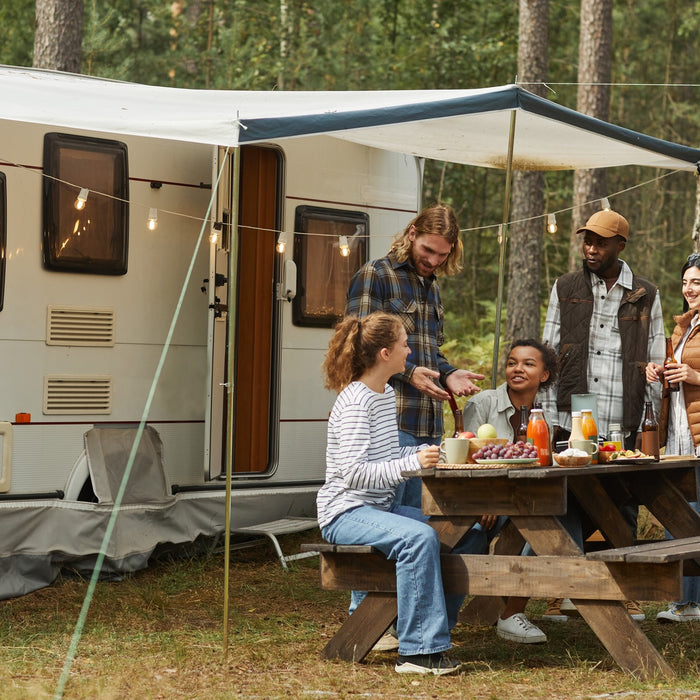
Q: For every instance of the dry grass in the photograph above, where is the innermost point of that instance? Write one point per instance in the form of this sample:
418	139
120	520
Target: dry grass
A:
158	634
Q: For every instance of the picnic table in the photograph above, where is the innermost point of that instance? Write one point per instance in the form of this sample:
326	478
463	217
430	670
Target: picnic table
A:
597	582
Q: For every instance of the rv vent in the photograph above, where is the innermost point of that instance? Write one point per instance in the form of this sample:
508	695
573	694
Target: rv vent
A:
77	325
66	393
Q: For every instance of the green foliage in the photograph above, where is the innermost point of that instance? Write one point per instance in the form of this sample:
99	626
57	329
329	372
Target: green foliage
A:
389	44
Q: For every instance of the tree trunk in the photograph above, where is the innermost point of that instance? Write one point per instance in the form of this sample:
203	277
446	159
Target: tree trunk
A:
59	35
593	98
525	257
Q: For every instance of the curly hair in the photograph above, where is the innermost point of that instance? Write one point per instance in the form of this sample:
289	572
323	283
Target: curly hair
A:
439	220
355	344
549	357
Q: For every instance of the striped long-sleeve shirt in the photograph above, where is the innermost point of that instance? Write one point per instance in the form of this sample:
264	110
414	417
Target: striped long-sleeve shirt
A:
363	458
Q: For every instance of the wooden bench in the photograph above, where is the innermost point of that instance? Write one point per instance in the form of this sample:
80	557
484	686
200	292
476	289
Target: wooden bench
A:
592	577
684	549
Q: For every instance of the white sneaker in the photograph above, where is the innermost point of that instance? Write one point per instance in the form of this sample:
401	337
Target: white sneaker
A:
387	642
567	606
517	628
679	613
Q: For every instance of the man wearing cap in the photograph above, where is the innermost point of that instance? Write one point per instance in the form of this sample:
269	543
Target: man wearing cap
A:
605	324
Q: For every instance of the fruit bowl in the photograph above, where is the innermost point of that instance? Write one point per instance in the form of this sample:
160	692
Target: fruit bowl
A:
477	443
571	461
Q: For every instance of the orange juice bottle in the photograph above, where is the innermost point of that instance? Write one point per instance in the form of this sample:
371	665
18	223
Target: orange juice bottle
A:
590	429
538	435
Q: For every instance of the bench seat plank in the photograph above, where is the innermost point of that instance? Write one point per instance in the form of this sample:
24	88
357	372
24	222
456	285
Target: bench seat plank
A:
660	552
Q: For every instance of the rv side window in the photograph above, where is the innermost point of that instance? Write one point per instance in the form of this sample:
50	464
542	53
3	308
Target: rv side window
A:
3	236
86	209
324	269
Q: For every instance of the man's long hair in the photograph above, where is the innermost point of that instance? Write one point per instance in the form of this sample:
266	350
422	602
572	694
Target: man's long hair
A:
439	220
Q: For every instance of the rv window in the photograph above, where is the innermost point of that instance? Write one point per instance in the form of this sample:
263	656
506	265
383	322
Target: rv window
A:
93	236
3	236
323	272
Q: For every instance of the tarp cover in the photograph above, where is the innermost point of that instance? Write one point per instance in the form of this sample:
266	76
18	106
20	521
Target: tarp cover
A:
461	126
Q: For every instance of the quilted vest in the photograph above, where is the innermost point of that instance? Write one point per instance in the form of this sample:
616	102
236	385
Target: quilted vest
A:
691	392
576	308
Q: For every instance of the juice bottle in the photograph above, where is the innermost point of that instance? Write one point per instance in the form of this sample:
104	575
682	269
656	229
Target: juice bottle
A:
538	435
616	436
590	429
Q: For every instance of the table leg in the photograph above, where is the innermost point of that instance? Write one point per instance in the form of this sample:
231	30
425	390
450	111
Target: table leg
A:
617	631
361	631
485	610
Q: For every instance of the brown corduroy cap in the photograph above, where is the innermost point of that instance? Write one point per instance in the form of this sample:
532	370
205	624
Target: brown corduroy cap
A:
607	224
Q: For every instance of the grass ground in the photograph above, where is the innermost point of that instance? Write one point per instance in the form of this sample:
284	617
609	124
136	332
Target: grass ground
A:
158	634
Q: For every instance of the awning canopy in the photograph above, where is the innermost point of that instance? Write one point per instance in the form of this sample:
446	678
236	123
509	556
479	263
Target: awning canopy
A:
460	126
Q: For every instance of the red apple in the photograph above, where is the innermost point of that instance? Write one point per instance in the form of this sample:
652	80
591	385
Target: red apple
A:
466	434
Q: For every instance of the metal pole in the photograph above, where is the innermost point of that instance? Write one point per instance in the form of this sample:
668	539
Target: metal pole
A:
230	376
502	241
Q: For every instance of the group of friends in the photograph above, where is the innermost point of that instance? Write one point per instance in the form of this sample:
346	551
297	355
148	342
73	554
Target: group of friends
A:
603	334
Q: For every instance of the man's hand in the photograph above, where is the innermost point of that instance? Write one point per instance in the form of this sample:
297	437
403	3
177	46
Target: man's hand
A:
424	380
460	383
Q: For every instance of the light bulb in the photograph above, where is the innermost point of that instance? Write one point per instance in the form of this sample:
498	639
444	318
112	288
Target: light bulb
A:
344	247
281	242
552	223
152	219
81	198
213	237
605	203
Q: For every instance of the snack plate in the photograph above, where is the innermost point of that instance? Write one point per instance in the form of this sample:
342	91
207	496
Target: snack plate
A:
632	460
520	460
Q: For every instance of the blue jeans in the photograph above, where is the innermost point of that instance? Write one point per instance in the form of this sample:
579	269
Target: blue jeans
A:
691	584
408	492
425	613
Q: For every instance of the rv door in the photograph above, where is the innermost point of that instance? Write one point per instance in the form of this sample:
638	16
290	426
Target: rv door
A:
248	232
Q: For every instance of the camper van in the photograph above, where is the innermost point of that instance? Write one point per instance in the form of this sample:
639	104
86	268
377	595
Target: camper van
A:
115	247
171	265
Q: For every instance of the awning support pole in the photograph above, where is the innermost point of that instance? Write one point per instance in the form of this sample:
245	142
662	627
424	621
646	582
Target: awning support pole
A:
230	379
502	241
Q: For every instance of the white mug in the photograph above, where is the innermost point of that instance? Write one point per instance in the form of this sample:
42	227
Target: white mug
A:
455	449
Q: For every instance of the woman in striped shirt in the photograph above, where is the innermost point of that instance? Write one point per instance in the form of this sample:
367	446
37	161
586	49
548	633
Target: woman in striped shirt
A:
364	465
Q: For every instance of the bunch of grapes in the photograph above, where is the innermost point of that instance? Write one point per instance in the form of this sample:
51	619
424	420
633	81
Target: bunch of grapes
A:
511	450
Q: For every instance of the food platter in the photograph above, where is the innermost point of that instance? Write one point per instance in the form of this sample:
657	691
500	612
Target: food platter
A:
520	460
632	460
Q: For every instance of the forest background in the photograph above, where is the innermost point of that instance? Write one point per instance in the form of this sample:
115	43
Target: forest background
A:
397	44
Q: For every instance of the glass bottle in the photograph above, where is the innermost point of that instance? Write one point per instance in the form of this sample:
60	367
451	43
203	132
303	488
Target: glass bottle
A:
670	358
521	432
650	432
459	422
616	436
588	426
538	435
576	427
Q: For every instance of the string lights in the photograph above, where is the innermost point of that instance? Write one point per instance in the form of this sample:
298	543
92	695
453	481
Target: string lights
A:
81	198
281	242
343	245
152	223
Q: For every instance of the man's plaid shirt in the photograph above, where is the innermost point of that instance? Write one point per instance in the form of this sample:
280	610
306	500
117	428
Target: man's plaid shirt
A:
394	287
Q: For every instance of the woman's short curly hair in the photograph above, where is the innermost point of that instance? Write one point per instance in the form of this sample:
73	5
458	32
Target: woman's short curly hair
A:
549	357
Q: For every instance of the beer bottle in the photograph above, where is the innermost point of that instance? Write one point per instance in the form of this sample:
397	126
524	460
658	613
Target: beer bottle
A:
650	432
459	422
670	358
521	433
